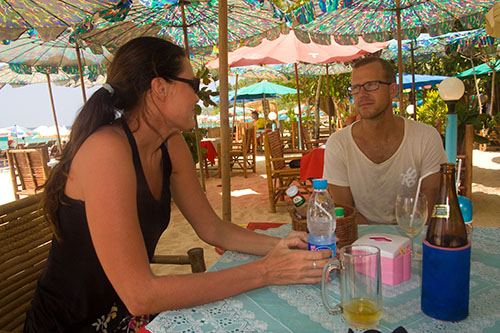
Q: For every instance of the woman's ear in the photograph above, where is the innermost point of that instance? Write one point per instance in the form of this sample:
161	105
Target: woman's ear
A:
159	88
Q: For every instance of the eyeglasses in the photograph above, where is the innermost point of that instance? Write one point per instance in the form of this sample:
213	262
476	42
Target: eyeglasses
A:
194	83
369	86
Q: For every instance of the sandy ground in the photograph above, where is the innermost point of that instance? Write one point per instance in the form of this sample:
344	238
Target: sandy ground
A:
249	202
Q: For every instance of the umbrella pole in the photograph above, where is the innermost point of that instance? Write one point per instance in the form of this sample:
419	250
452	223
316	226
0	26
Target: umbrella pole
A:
223	84
298	101
400	58
234	110
196	132
475	82
81	72
413	89
328	97
54	113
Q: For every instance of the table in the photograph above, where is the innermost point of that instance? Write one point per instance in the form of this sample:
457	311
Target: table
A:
311	164
298	308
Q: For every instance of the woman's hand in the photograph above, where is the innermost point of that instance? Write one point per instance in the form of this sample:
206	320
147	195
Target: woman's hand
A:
301	235
289	263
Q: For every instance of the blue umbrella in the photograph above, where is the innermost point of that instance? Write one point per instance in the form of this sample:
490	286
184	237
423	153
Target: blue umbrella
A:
265	89
420	80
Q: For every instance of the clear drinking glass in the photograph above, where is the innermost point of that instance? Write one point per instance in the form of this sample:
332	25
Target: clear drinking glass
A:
411	215
360	285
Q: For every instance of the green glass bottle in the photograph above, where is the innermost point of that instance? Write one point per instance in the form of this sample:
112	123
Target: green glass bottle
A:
447	227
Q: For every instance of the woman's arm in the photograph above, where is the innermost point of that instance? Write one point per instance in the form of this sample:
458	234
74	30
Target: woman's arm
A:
105	178
193	203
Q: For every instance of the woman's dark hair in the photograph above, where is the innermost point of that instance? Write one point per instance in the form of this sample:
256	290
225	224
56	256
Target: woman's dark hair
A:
133	68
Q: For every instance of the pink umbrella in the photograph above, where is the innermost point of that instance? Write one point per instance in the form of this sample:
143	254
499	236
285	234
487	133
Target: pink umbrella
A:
290	49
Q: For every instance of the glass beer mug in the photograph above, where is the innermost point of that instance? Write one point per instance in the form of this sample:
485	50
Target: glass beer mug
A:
360	285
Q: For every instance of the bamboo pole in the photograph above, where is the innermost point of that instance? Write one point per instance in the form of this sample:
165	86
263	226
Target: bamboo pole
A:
328	96
80	71
235	100
400	58
300	111
224	119
59	146
196	132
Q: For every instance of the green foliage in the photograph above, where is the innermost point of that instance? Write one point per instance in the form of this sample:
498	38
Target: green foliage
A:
466	115
190	138
204	95
432	110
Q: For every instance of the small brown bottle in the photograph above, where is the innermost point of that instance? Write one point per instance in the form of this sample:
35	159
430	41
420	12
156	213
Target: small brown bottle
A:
446	227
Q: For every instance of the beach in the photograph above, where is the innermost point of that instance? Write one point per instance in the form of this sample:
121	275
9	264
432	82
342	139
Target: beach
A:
249	203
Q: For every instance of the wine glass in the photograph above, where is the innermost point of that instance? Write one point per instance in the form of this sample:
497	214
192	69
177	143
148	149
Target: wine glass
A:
411	215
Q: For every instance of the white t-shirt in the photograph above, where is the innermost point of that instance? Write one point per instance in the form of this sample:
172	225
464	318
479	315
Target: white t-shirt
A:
374	186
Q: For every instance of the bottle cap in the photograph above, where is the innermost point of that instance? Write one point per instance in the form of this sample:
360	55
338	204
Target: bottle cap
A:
466	208
320	184
339	211
292	191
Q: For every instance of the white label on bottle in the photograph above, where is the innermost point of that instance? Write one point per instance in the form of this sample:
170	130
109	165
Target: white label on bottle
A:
298	200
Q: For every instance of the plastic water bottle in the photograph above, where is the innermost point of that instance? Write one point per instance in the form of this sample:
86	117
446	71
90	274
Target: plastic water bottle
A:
321	219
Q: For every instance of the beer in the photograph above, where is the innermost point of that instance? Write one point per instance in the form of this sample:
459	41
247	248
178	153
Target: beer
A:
362	313
446	227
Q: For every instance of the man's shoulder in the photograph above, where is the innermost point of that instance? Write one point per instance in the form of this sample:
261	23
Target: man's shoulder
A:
341	136
418	126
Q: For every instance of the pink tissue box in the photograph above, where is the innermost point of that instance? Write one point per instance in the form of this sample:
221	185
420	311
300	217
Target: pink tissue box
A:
395	257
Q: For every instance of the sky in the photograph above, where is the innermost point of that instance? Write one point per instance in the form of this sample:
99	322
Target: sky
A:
29	106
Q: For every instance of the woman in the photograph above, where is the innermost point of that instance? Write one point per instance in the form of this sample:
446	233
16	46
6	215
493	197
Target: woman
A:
109	201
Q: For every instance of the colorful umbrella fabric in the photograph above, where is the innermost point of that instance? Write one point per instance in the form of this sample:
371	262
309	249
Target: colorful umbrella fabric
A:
312	70
266	88
248	21
258	72
14	79
481	69
49	17
424	46
17	131
31	54
375	20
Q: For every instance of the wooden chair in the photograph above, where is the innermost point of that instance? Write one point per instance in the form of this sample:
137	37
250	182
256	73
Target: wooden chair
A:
28	169
243	154
307	140
279	175
25	241
213	132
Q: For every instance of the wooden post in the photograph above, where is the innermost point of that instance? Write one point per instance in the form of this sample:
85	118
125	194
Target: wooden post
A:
400	58
196	134
224	119
80	71
59	146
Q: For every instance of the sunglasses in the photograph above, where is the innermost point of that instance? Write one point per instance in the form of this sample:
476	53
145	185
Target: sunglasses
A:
194	83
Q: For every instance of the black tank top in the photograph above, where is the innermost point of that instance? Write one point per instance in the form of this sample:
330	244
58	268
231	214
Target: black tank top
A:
73	290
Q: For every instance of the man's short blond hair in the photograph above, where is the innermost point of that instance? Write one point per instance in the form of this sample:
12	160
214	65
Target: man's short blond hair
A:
389	73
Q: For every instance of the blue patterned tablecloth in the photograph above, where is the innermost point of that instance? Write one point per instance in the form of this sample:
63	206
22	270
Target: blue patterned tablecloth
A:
298	308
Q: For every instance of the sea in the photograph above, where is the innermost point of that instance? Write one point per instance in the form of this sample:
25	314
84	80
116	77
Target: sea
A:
28	139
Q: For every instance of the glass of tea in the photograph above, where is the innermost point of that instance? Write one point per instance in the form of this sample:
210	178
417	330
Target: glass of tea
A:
360	285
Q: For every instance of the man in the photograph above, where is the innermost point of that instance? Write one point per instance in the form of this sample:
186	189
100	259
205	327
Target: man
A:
260	123
380	155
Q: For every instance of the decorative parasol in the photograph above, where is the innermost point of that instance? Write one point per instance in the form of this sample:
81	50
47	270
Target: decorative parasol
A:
382	20
49	17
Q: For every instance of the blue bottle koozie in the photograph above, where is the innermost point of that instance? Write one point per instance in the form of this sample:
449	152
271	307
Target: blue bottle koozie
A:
445	282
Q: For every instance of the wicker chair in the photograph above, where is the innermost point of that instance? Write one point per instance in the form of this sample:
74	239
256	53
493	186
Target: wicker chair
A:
28	169
243	154
25	241
279	175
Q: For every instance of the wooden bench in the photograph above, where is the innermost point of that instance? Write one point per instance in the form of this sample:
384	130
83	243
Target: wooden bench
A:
25	240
